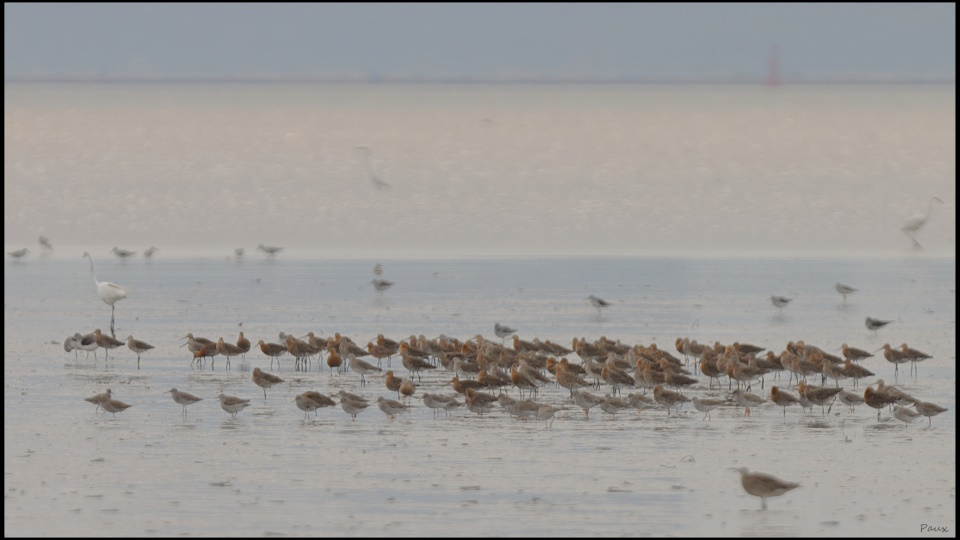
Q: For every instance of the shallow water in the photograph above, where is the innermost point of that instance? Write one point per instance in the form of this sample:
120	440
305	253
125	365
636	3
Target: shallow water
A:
150	471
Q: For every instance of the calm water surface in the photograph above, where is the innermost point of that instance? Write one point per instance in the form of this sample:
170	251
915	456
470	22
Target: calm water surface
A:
150	471
496	170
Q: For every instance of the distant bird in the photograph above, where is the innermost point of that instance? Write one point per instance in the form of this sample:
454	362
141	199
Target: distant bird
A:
503	331
780	301
598	303
110	293
122	253
18	253
45	242
844	290
269	250
378	269
378	183
875	324
238	253
147	253
381	285
764	485
914	224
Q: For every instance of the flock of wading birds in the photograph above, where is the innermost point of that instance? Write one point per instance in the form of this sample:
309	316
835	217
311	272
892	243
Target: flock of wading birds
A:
481	366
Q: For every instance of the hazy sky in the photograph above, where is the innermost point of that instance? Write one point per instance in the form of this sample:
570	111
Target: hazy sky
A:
479	40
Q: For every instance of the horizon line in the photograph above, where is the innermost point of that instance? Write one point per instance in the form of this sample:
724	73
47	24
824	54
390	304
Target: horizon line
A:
732	79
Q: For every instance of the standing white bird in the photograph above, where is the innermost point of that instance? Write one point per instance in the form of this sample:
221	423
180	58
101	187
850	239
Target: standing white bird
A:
780	301
147	253
378	182
110	293
914	224
16	254
844	290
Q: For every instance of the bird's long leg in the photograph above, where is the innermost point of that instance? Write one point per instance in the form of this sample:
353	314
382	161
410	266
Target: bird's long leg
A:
112	333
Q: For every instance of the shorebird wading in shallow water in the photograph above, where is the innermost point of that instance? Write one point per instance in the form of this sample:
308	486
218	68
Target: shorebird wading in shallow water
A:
503	331
269	250
598	303
763	485
875	324
110	293
16	254
844	290
381	284
780	301
124	254
183	398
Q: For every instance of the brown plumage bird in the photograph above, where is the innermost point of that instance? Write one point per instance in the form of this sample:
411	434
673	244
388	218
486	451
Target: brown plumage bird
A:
273	350
407	388
265	380
243	344
764	485
392	382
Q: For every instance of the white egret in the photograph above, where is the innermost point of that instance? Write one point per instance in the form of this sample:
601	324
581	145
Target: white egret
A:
914	224
378	182
110	293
